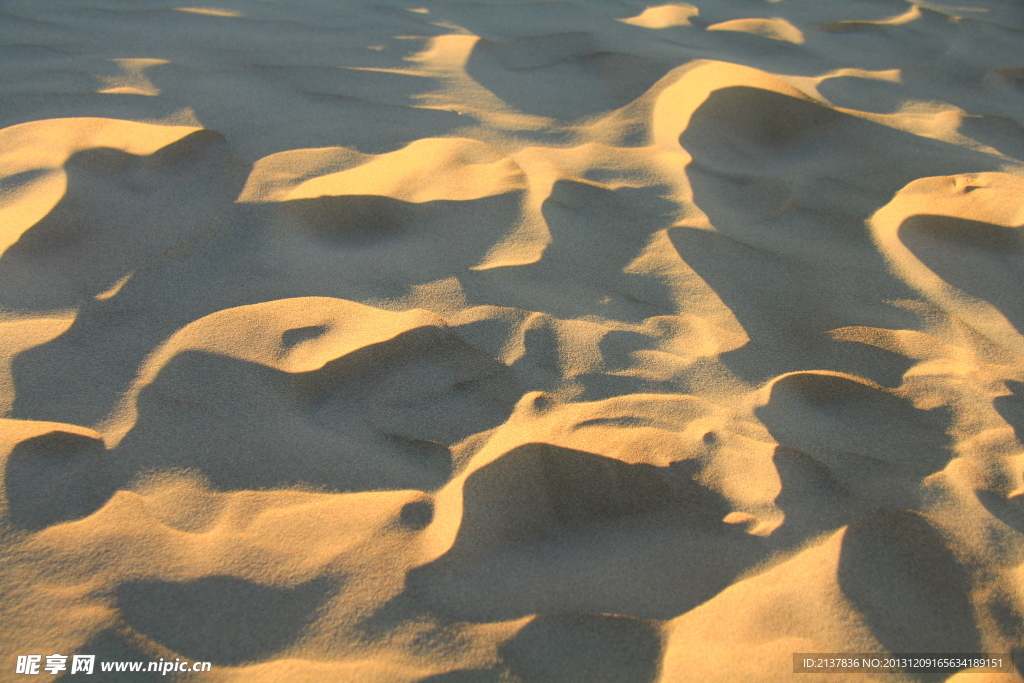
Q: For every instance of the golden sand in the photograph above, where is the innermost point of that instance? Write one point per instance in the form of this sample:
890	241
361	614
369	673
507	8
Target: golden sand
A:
511	341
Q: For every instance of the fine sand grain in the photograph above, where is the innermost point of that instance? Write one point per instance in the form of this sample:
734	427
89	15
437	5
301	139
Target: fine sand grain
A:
493	341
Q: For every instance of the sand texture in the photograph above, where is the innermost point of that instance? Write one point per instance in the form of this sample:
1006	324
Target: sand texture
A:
511	341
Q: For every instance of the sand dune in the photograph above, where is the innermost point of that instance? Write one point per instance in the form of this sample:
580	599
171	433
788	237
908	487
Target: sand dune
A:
533	341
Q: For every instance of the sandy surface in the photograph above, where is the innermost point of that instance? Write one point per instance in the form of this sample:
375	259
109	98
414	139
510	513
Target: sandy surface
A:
510	341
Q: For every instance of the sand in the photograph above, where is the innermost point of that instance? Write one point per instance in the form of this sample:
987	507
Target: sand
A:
510	341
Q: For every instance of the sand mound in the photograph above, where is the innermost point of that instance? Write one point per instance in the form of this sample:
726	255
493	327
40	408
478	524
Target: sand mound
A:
510	341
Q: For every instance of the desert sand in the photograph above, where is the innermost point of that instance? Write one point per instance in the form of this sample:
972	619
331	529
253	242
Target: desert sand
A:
510	341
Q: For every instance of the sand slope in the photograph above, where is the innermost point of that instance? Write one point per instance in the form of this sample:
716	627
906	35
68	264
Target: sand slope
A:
518	341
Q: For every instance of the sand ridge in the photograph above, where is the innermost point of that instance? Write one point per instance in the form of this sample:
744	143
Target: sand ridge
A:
532	341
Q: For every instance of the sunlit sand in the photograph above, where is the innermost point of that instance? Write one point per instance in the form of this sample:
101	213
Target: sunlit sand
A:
510	341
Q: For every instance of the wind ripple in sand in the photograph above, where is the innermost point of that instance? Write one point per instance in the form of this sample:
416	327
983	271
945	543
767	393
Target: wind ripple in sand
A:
532	342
